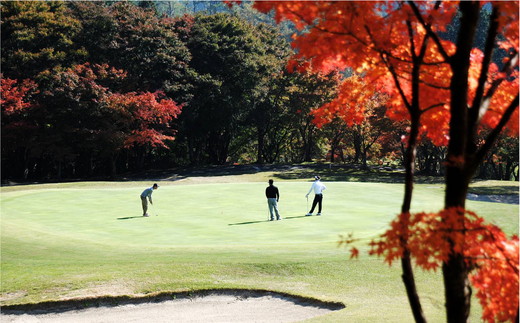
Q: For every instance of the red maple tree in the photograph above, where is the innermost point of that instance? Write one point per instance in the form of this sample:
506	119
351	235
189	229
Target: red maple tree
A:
93	105
15	95
18	128
144	116
449	90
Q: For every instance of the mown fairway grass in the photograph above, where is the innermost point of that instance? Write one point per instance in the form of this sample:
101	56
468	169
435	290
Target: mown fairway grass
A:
61	241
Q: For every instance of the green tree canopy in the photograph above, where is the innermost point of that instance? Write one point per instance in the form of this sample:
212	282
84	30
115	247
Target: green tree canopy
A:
37	35
233	61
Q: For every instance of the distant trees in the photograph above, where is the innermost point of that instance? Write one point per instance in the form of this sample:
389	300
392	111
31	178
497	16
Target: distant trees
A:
362	132
306	92
226	68
502	161
37	35
233	63
100	75
92	66
18	129
148	48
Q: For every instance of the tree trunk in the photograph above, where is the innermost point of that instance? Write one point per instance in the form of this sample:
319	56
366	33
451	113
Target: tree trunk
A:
25	163
59	169
357	147
508	170
333	146
406	261
260	150
307	149
113	165
455	272
364	157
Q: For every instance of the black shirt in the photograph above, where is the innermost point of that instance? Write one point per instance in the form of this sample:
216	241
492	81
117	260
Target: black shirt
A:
272	192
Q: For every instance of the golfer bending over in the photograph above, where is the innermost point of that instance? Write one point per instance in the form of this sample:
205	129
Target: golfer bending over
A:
272	194
318	188
147	193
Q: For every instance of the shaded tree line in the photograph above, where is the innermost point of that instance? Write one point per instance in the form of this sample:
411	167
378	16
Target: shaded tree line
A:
95	89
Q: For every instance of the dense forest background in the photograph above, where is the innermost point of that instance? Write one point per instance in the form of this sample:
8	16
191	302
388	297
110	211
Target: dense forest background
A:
96	89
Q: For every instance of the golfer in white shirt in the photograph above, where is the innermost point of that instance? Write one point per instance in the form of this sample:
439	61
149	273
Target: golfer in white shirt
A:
147	193
318	188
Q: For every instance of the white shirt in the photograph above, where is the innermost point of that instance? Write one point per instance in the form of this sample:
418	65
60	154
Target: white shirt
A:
318	187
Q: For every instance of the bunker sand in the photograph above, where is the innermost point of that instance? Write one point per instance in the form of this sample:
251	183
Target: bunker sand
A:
218	306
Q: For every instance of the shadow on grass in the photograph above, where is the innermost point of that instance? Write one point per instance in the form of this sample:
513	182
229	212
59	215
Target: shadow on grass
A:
132	217
296	217
494	198
494	190
352	173
177	174
249	222
305	171
329	172
254	222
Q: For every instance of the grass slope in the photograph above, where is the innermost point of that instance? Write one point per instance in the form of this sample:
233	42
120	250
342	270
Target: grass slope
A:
61	241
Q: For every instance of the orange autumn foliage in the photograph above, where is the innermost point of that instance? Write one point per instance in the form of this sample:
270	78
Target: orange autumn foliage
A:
143	111
398	48
432	237
375	36
353	96
14	95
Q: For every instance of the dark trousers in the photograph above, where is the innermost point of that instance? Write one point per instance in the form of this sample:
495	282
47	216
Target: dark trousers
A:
318	198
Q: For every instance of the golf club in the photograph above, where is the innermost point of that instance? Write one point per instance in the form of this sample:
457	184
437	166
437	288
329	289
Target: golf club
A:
153	210
307	197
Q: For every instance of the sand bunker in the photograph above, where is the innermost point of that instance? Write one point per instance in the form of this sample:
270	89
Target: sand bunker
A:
218	306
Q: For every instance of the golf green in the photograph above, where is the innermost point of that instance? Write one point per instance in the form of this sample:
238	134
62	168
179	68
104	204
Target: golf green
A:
61	241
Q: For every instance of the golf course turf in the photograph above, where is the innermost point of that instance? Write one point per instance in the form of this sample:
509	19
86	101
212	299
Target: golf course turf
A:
87	239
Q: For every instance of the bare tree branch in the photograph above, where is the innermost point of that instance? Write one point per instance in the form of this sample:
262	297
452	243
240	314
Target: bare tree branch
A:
476	109
433	107
492	137
429	30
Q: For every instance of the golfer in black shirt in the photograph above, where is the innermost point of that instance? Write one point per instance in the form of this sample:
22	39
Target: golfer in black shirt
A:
272	194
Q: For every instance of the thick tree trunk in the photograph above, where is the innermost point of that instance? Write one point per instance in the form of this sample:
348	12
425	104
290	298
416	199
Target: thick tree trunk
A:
457	289
455	272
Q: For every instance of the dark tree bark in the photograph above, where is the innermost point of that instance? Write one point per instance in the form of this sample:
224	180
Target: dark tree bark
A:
455	272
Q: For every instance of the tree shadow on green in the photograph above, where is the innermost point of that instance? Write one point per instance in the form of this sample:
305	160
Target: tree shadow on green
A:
353	173
494	190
